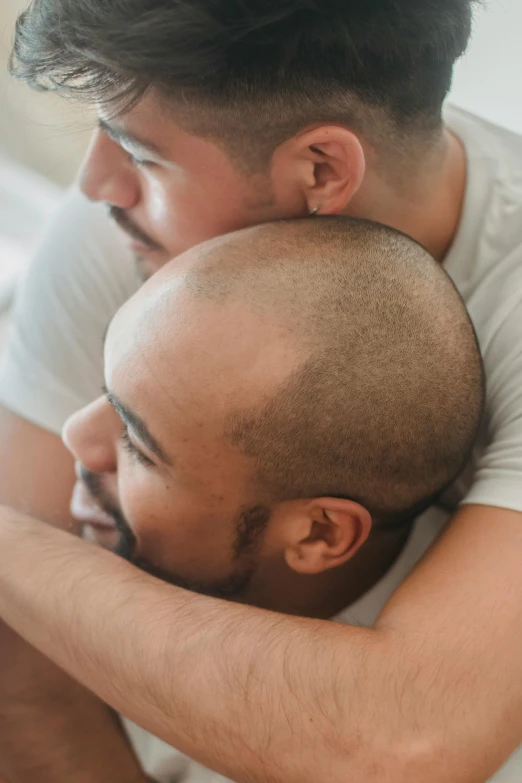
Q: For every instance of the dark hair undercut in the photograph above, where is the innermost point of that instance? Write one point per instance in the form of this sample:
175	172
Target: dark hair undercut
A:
269	66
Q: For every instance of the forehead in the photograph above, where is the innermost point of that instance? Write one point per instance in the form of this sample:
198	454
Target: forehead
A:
156	369
170	352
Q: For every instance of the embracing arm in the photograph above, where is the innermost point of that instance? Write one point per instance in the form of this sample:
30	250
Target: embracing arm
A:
51	728
432	693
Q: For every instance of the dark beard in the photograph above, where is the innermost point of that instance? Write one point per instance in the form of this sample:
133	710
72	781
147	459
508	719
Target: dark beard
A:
250	527
232	588
129	227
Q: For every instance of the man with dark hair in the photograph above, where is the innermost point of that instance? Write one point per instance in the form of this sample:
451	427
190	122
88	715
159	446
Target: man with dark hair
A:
215	116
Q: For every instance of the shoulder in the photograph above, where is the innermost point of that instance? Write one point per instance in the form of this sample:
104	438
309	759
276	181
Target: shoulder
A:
80	247
483	138
485	263
485	260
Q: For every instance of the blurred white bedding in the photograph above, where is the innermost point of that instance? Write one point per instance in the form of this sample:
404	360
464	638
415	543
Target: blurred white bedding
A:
27	200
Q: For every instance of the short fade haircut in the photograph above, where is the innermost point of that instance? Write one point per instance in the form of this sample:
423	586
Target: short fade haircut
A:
388	400
261	69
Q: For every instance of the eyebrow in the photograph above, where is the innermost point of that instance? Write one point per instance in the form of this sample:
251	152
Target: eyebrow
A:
121	136
138	426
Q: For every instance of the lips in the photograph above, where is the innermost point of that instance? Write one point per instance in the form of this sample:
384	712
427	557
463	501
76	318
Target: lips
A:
85	509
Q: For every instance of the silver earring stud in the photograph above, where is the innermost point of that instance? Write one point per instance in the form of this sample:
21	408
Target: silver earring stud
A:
314	211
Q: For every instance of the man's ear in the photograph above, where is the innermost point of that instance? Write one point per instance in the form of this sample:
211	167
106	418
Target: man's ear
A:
327	165
326	533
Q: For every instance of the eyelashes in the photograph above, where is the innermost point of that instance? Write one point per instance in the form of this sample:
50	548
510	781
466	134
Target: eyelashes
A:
131	449
139	162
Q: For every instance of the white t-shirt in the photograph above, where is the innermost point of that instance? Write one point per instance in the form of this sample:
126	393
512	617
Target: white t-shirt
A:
82	273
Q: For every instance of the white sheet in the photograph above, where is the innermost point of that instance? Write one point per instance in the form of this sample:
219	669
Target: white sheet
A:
27	201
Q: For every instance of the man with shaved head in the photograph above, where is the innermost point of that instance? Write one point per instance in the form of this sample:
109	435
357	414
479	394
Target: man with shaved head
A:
287	412
287	362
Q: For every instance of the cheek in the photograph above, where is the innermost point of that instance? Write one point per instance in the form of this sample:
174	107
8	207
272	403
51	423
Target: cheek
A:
185	210
163	204
146	500
175	529
159	200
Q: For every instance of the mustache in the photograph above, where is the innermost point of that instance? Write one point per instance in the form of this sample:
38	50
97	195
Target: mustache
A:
127	544
130	228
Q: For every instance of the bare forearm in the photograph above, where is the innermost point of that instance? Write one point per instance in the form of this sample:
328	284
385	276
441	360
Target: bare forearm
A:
254	695
195	644
217	668
51	728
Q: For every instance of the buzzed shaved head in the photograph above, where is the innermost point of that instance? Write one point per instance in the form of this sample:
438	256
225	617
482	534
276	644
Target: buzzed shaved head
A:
259	383
386	403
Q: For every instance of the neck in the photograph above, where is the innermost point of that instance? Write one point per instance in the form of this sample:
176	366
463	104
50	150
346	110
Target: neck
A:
425	204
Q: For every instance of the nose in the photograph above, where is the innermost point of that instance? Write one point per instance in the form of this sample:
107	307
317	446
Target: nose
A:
91	435
107	174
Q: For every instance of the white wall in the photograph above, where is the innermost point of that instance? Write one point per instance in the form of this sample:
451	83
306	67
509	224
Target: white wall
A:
40	130
488	80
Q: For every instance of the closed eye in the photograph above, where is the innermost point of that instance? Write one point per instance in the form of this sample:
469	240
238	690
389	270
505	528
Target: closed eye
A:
131	449
139	162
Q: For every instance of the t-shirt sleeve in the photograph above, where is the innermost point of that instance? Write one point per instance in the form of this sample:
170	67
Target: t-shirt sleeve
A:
497	477
80	275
